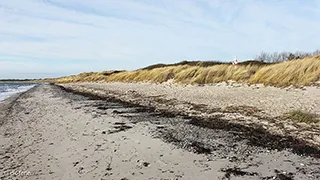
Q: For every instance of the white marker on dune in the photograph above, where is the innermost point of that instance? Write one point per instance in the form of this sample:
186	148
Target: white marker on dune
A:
235	62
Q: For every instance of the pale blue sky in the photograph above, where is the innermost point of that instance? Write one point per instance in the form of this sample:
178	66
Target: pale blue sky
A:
47	38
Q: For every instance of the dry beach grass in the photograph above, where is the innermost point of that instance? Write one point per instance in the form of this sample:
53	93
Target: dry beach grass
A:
298	72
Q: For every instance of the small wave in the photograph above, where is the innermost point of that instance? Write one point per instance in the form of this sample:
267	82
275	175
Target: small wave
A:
7	91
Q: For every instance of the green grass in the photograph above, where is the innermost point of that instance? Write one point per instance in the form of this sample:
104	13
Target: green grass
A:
302	116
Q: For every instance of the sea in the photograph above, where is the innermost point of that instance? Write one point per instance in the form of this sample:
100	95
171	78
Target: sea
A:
8	89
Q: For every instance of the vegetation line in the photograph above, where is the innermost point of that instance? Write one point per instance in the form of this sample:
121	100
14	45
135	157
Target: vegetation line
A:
297	72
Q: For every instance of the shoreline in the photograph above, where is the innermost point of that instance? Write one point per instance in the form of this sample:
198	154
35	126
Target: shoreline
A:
5	94
7	103
54	133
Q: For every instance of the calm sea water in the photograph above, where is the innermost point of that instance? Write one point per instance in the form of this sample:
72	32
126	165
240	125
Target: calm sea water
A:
8	89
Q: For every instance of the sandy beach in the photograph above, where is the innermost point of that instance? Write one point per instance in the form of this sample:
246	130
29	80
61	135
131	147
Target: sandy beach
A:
159	90
143	131
250	106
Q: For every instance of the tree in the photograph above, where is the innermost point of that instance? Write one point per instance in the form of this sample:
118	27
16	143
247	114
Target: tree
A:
276	57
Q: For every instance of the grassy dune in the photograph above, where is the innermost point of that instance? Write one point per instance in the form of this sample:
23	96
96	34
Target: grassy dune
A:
296	72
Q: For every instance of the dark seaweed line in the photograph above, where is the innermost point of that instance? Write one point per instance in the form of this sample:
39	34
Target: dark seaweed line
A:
255	136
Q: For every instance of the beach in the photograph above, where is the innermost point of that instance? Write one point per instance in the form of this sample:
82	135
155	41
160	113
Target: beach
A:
251	106
158	131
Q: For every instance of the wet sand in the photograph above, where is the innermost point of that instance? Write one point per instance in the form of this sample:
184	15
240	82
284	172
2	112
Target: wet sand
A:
52	133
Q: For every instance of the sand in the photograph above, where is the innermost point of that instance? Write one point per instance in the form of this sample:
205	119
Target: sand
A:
273	101
252	106
48	133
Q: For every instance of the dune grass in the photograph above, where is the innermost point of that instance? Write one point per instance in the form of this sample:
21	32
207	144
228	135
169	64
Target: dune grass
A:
87	77
296	72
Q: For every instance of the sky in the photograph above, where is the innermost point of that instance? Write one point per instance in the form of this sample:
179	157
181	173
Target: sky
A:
52	38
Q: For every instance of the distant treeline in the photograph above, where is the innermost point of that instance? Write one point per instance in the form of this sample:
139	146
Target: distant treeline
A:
262	59
276	57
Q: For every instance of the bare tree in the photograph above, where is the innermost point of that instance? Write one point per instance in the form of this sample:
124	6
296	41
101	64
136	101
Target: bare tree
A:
276	57
316	52
262	57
